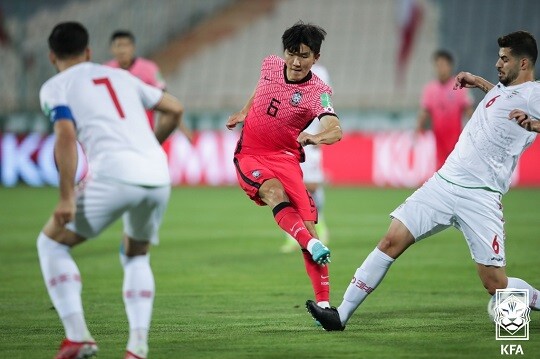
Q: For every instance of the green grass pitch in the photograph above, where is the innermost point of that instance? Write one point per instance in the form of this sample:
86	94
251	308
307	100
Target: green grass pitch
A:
225	291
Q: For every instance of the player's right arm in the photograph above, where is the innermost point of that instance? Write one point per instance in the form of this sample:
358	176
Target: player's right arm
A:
171	110
240	116
65	155
466	79
55	107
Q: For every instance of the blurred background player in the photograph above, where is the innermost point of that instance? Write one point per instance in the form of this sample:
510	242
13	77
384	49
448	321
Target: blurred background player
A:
128	177
122	46
268	155
467	191
313	171
445	107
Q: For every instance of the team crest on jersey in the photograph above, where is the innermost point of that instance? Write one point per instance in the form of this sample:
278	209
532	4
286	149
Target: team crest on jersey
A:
256	173
296	98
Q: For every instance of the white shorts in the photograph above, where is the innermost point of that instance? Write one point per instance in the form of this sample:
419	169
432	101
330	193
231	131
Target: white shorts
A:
312	166
477	213
100	202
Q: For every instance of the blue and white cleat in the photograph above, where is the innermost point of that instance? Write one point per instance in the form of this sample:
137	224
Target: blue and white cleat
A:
320	254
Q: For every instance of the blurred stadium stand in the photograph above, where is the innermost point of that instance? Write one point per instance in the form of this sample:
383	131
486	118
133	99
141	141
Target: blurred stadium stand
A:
211	50
25	64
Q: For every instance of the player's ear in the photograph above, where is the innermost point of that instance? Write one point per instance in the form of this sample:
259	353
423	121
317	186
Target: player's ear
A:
316	56
524	63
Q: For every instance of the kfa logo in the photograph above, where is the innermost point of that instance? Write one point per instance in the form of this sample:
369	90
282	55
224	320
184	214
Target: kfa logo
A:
511	314
296	98
511	349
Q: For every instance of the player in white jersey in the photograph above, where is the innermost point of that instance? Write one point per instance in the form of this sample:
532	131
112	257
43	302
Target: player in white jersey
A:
313	174
128	177
466	192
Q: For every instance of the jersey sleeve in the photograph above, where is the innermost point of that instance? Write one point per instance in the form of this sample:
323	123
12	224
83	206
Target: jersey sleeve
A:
534	102
149	95
53	102
323	105
270	64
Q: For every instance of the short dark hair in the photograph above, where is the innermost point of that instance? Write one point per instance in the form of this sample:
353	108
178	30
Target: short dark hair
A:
443	54
521	44
122	34
307	34
68	39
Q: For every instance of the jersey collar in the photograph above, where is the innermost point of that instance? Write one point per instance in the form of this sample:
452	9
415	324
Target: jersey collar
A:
305	79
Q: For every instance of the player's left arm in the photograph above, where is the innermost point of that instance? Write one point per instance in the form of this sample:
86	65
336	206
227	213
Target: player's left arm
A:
65	155
529	119
171	110
330	134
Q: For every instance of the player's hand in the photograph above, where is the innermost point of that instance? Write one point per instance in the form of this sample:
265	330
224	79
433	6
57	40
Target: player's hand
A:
306	139
64	212
524	120
464	79
235	119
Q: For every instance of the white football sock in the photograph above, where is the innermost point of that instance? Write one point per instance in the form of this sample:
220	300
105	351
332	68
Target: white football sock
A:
366	278
63	282
534	294
138	292
324	304
311	243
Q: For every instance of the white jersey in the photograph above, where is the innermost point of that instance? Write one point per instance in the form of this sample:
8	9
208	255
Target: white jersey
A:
107	107
490	144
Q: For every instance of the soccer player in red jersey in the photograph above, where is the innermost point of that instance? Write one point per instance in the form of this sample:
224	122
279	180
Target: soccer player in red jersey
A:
445	107
287	98
122	45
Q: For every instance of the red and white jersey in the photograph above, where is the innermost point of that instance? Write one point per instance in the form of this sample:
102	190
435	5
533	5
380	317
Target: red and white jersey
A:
107	107
490	145
148	72
281	110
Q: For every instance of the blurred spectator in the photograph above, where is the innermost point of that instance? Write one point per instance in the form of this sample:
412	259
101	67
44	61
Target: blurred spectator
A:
122	45
444	106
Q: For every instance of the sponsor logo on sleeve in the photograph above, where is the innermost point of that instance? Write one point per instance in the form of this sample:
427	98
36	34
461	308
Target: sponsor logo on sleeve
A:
326	102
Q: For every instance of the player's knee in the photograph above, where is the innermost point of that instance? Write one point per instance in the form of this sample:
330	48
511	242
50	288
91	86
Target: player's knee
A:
394	243
62	235
388	243
273	192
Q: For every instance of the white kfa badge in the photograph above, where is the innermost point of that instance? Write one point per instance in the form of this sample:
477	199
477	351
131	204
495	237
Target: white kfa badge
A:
296	98
509	309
